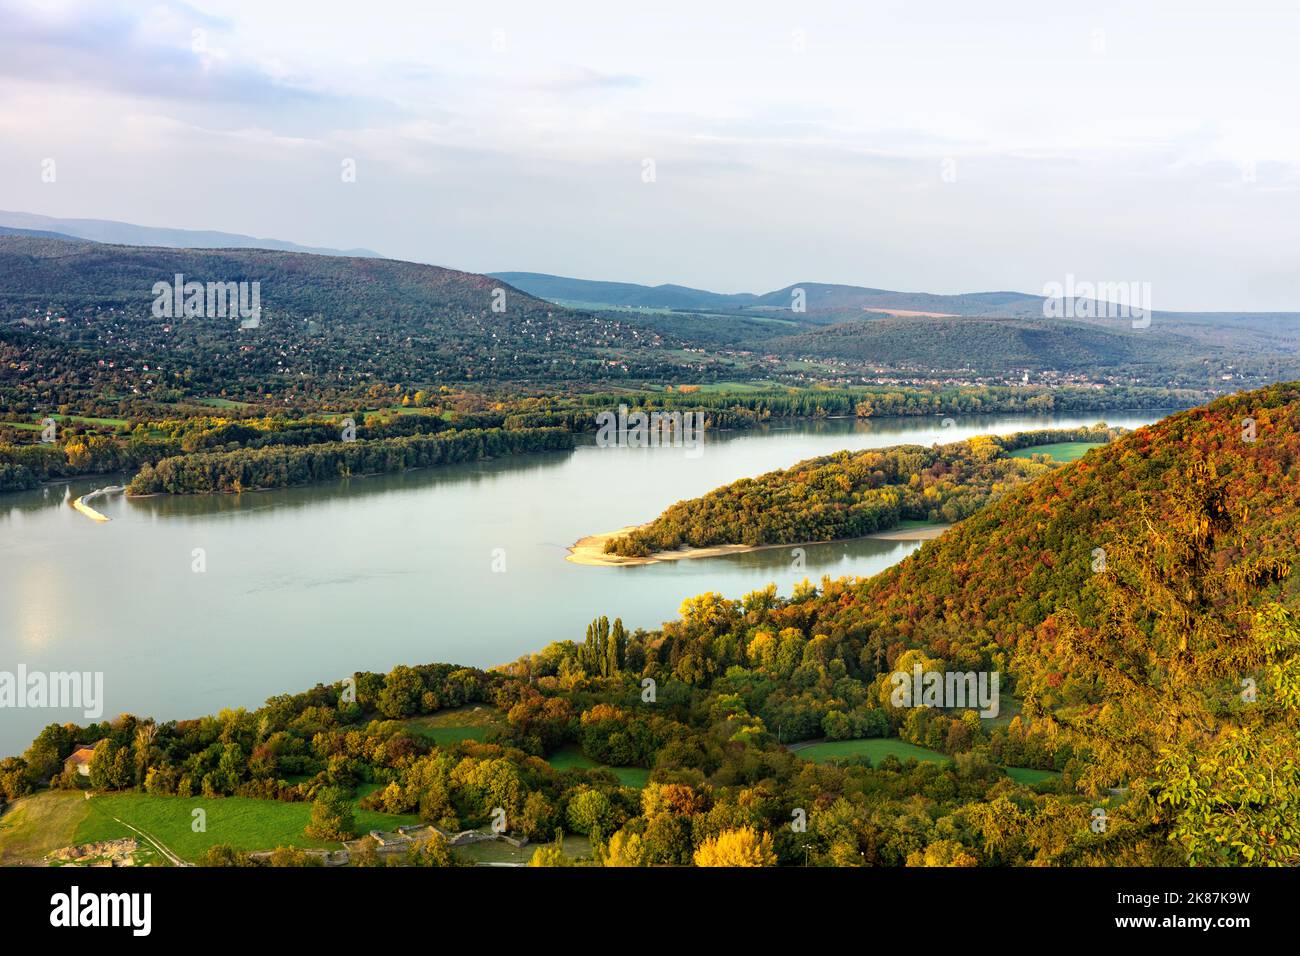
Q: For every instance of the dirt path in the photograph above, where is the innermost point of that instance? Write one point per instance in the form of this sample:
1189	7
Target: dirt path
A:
804	744
157	844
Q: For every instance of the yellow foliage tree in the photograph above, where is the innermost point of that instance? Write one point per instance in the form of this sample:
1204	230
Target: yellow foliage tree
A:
625	849
742	847
943	853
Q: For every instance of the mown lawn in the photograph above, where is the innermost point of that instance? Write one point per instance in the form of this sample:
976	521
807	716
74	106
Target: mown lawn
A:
1063	451
240	822
568	758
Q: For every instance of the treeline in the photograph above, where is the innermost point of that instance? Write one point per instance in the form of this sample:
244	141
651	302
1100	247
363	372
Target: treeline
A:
887	401
746	409
23	467
850	494
89	447
282	466
145	443
212	433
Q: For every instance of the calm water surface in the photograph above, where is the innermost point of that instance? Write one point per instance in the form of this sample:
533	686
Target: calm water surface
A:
310	584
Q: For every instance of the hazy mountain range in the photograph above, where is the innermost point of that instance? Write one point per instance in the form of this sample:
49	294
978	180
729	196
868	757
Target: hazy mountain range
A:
129	234
820	297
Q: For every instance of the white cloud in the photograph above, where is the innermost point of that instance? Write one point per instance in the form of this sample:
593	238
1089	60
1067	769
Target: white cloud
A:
774	165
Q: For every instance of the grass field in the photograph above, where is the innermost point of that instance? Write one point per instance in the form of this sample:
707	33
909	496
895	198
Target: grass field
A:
498	851
568	758
40	824
1062	451
726	387
222	403
83	419
1029	776
452	726
240	822
877	748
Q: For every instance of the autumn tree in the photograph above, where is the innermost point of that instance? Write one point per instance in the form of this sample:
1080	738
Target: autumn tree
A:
741	847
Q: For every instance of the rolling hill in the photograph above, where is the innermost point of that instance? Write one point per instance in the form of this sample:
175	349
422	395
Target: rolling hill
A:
346	320
968	342
73	309
987	334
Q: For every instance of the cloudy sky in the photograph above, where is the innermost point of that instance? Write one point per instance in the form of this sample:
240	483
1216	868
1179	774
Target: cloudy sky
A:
940	146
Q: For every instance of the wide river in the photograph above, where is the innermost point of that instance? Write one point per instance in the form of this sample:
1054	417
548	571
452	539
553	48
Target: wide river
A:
307	585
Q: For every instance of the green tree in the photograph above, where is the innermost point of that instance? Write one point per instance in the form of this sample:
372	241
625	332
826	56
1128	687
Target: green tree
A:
331	815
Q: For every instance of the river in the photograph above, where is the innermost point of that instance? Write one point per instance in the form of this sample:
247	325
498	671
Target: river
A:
462	564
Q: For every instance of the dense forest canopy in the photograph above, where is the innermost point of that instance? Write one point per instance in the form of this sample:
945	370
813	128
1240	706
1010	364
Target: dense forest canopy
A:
850	494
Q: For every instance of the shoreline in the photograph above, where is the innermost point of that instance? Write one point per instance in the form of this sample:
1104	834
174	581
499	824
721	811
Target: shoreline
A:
590	551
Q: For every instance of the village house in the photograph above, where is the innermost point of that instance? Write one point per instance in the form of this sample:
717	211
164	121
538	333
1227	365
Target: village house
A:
80	758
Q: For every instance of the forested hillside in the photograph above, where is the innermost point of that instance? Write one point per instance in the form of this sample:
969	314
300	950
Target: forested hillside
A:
980	343
76	320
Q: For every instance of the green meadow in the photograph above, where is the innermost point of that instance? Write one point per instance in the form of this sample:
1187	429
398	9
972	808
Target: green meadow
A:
876	748
452	726
570	758
240	822
1062	451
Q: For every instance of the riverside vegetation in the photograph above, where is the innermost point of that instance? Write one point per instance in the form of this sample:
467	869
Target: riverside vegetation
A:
851	494
1125	676
193	449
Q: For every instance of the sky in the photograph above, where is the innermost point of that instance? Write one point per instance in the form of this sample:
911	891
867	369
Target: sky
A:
733	146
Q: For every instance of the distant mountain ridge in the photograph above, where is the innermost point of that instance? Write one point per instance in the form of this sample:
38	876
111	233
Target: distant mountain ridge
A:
130	234
847	301
818	297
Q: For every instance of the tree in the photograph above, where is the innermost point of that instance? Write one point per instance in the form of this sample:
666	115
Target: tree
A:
222	855
110	768
943	853
551	854
331	816
1233	798
590	812
625	849
435	851
741	847
289	856
401	694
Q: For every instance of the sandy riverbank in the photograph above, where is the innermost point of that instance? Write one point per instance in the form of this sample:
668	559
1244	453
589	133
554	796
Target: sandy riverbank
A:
591	549
82	504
